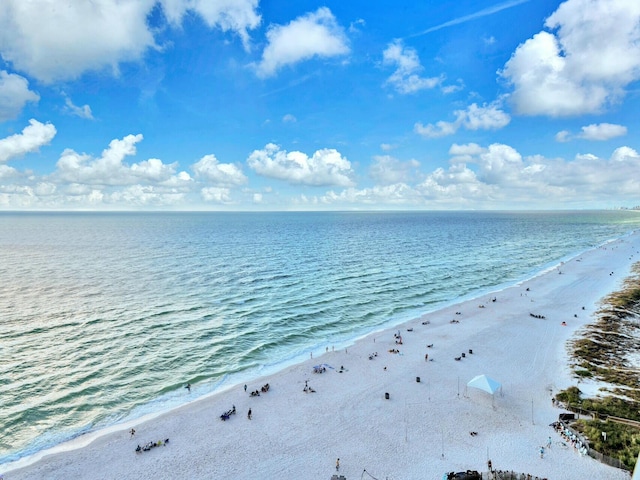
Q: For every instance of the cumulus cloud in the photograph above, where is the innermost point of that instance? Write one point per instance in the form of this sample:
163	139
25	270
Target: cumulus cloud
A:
324	167
237	16
316	34
487	117
14	95
30	140
288	118
220	174
110	168
594	132
387	170
406	78
52	43
602	131
503	174
7	172
216	195
497	175
564	72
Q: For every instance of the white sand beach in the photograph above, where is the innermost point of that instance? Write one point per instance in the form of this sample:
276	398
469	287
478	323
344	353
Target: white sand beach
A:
420	432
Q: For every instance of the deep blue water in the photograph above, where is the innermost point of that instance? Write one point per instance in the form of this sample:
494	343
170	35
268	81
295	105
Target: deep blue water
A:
104	317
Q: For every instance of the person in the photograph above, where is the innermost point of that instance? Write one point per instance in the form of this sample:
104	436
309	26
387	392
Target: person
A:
249	414
245	387
132	432
337	465
541	452
188	387
549	443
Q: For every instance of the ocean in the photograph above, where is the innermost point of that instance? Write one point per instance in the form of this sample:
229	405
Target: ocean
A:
105	317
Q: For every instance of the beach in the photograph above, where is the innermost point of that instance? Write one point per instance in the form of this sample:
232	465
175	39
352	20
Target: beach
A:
424	428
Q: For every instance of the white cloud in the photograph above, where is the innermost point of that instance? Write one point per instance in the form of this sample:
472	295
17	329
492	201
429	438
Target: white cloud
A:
325	167
355	27
14	94
82	112
602	131
563	136
315	34
395	195
582	67
498	176
54	42
7	172
437	130
448	89
110	169
594	132
465	150
216	195
237	16
31	139
406	78
136	196
387	170
288	118
487	117
219	174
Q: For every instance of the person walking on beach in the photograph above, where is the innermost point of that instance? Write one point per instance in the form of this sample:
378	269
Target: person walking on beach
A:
337	465
132	432
541	452
249	414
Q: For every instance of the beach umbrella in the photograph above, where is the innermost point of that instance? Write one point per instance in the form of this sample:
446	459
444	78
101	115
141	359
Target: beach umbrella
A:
485	383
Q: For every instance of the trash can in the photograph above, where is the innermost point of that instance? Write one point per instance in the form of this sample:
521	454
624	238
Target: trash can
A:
418	379
386	395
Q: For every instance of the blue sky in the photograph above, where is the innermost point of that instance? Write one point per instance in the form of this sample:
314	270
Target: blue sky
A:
254	105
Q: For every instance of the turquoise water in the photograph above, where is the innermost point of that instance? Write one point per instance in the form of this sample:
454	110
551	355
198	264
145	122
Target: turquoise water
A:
105	317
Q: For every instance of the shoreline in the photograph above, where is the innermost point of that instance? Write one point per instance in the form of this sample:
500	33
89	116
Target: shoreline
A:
472	322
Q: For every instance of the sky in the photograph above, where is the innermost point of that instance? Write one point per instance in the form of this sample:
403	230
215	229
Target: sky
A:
255	105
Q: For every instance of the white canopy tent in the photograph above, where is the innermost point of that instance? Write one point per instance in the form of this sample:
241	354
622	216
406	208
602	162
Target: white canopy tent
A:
486	384
636	470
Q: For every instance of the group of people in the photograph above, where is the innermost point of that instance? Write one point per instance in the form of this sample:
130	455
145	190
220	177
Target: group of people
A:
226	415
571	438
534	315
151	445
256	393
